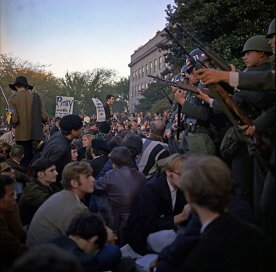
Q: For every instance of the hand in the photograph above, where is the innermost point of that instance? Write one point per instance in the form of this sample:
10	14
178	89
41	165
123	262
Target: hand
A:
180	97
111	236
203	96
248	130
167	133
208	76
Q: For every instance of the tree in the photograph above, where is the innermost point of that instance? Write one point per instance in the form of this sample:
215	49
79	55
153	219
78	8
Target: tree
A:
44	82
154	99
223	25
84	86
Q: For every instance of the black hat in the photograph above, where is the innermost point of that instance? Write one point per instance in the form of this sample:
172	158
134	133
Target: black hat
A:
21	80
100	144
71	121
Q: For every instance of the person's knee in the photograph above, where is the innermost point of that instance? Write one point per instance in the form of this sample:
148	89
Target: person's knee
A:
108	257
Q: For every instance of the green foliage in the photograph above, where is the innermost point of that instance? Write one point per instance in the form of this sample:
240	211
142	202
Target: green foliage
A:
154	99
81	86
223	25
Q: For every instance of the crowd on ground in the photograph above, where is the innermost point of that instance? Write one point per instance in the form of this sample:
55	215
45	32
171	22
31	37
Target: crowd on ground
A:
186	185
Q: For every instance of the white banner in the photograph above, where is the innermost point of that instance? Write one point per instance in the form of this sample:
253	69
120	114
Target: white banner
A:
100	110
64	105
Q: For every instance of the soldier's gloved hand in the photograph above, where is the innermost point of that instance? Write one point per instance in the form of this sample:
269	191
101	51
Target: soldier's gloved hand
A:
180	97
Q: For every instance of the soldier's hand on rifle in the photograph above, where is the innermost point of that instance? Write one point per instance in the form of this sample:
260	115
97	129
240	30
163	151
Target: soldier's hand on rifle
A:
180	97
248	130
203	96
208	76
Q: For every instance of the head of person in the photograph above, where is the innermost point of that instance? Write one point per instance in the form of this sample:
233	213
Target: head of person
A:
206	182
176	79
120	156
17	152
71	125
44	170
47	258
104	127
173	168
86	140
77	177
271	35
134	144
5	150
199	56
134	124
157	129
74	152
99	147
5	169
21	83
89	232
120	126
7	195
256	51
110	99
57	120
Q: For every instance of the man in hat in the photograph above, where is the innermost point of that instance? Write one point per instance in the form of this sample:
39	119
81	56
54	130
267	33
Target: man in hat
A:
28	114
58	148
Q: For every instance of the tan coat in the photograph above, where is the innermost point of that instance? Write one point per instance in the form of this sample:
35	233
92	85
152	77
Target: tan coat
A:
21	107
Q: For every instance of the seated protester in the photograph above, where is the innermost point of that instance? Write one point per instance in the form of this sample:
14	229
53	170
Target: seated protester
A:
12	234
100	151
16	155
121	187
5	150
86	237
47	258
86	144
225	242
134	144
160	209
74	152
38	190
56	213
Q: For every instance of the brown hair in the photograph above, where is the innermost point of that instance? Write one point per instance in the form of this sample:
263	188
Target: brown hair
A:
73	170
207	180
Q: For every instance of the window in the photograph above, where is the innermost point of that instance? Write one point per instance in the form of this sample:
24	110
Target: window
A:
155	65
160	63
151	66
143	71
147	69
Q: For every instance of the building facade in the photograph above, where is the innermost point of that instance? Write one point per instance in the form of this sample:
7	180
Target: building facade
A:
146	60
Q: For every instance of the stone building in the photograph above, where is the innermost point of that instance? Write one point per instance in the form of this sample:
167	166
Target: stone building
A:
147	59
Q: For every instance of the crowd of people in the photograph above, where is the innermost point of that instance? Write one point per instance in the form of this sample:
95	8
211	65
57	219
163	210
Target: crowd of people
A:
191	185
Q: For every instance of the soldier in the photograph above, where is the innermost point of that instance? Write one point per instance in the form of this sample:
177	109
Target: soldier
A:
195	139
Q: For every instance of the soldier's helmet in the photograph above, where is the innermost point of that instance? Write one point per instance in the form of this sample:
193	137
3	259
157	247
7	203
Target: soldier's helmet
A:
176	78
271	29
257	43
198	55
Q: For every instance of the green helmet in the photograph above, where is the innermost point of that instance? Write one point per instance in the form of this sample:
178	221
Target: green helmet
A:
271	29
257	43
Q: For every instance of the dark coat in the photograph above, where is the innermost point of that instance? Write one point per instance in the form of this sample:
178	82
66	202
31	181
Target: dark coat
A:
107	111
122	187
98	163
228	244
58	150
153	212
20	171
31	199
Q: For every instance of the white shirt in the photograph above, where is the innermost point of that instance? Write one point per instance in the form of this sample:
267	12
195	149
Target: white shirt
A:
173	194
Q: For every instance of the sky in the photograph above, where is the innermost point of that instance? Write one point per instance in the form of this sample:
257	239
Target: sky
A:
79	35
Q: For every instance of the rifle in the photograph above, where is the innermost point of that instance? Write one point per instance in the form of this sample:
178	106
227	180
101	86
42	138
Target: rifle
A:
224	99
182	86
219	62
166	95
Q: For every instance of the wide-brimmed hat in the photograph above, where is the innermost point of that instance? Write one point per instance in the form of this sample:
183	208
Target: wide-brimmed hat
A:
22	81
